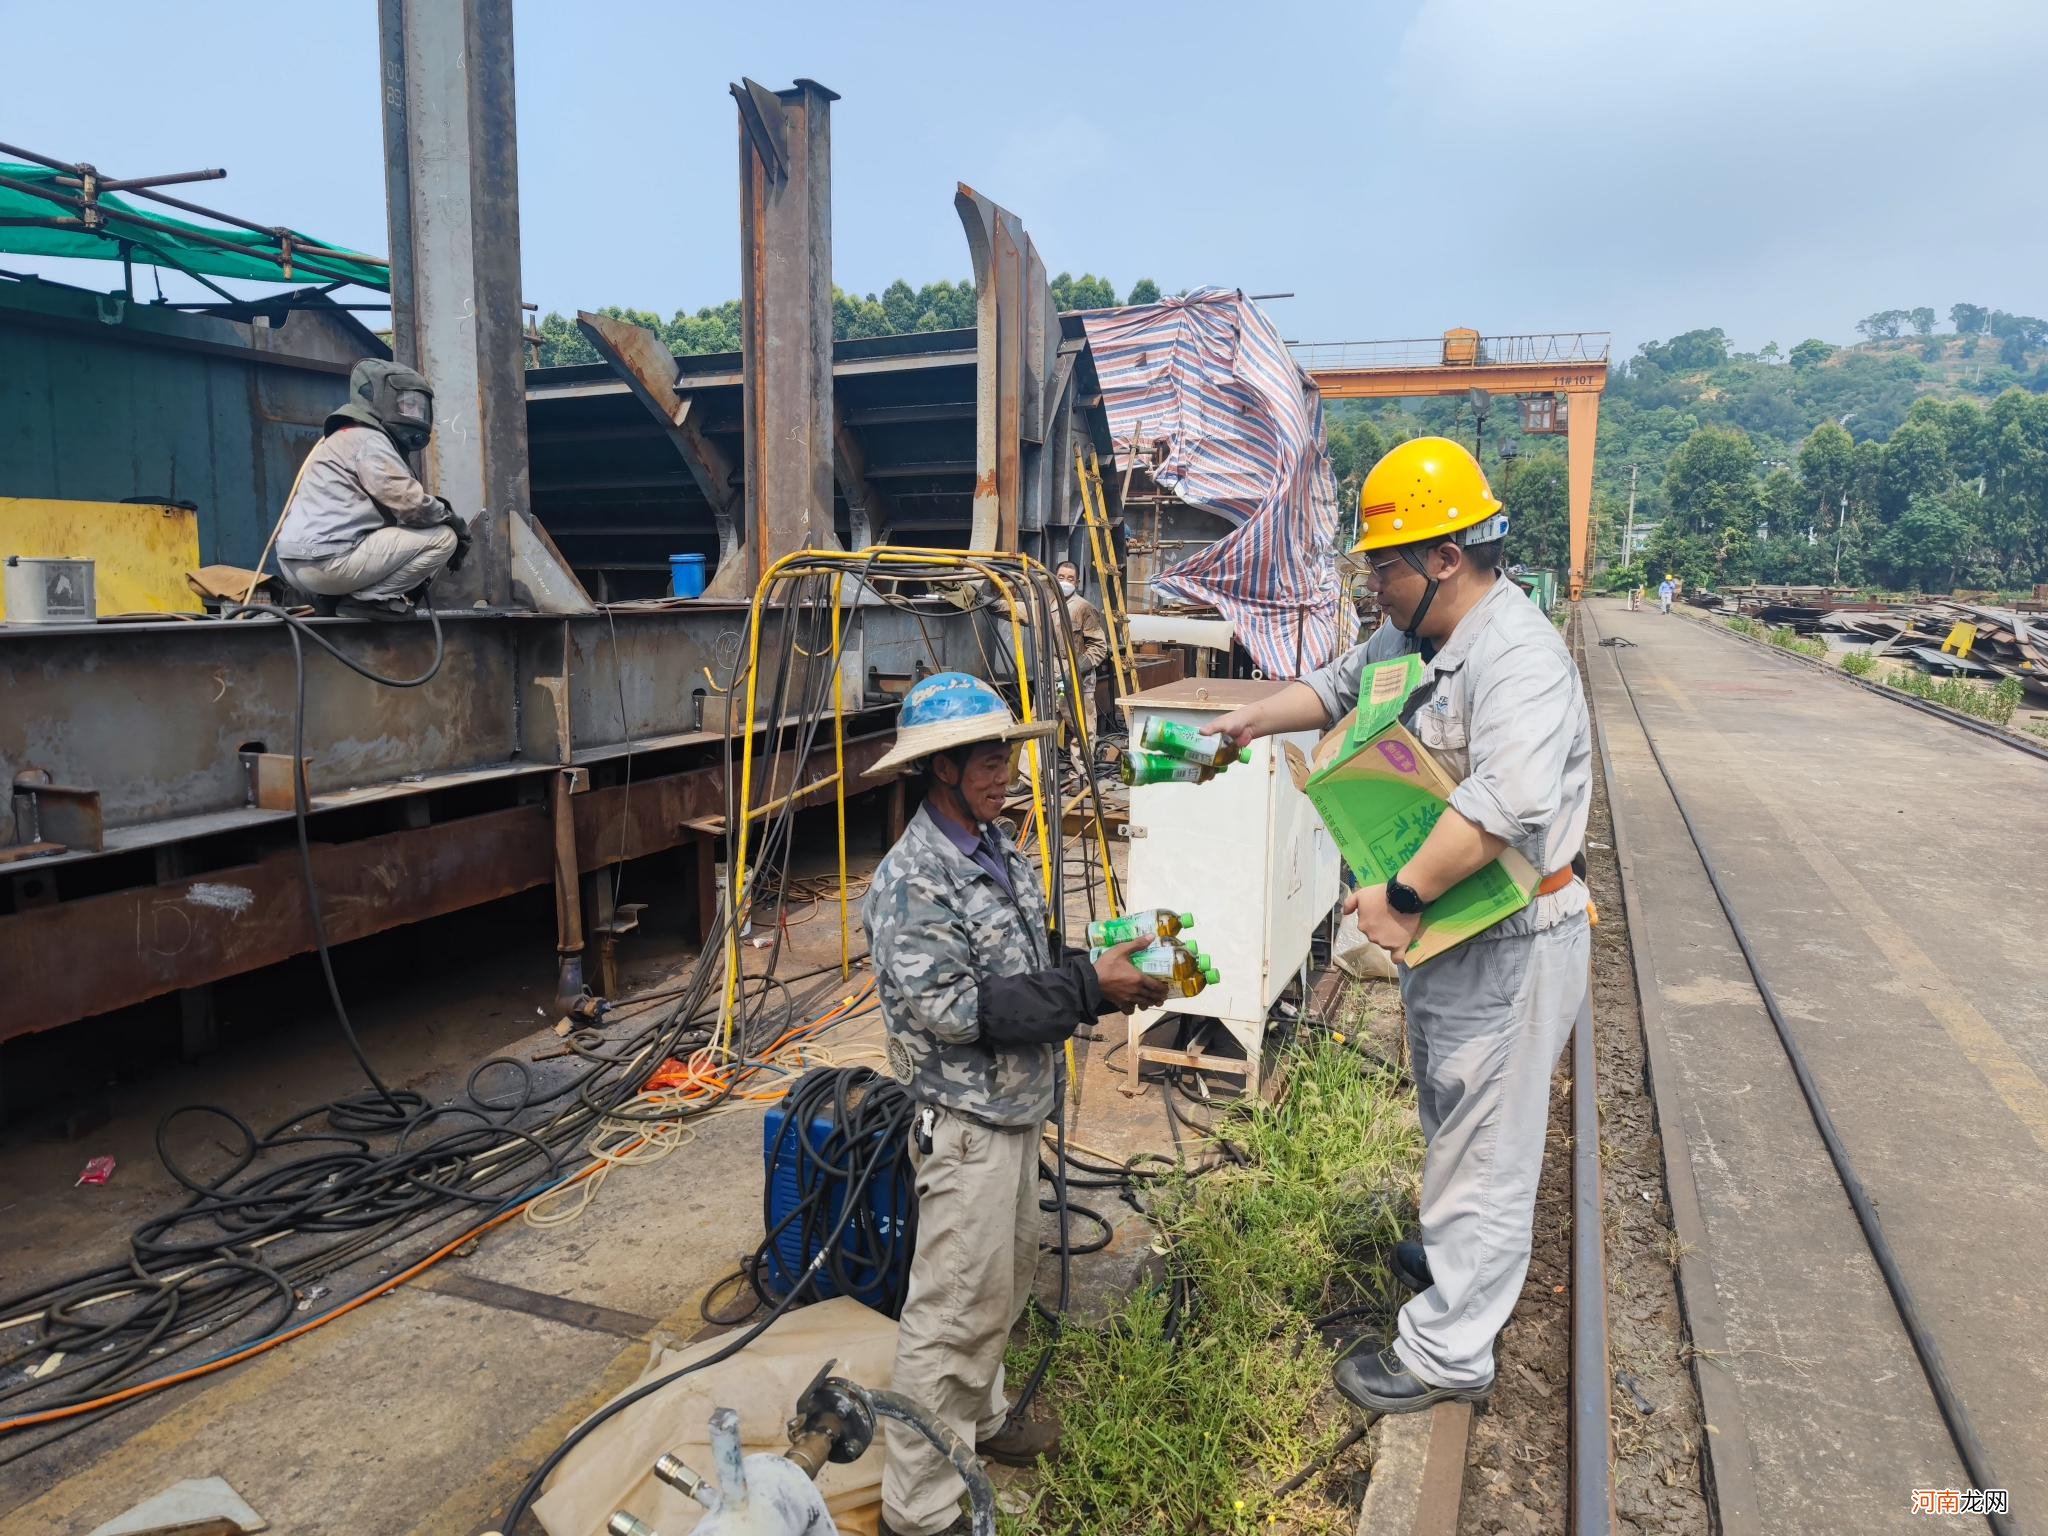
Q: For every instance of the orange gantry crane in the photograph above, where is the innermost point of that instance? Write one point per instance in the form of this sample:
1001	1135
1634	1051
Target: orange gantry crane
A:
1558	378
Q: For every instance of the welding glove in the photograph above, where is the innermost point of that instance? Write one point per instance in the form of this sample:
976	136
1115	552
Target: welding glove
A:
463	537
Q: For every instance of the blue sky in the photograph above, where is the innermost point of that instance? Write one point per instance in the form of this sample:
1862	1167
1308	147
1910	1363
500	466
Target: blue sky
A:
1634	165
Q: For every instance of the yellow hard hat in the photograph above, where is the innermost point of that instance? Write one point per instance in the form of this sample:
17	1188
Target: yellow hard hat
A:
1427	488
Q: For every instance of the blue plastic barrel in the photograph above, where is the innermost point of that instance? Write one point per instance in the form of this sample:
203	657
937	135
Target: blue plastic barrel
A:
686	575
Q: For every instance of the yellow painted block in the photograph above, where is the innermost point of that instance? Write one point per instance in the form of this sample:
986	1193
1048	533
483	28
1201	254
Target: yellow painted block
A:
1961	638
140	551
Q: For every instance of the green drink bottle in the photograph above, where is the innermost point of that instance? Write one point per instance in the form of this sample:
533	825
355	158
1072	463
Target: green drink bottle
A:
1158	923
1183	972
1187	744
1157	768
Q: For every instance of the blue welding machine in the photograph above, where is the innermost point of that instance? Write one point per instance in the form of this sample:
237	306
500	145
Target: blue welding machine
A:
808	1176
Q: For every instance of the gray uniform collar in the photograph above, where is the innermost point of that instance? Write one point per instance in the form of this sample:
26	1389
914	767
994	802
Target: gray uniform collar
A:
1451	654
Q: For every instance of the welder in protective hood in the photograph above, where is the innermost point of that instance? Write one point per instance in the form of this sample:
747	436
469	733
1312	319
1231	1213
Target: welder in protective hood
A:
359	526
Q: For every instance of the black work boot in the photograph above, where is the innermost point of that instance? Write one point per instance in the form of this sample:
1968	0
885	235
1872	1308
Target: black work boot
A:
1378	1382
1411	1266
961	1527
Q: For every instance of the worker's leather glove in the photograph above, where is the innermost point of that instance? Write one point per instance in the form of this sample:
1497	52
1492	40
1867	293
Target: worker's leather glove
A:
1123	984
463	538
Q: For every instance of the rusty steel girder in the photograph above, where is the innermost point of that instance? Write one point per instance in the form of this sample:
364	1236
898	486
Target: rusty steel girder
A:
1023	381
74	959
786	325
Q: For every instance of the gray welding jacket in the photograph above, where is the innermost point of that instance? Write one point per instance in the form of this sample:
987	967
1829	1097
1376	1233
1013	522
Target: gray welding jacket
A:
1501	707
354	477
939	926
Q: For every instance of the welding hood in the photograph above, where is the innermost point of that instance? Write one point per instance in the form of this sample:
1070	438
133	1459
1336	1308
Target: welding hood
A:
391	397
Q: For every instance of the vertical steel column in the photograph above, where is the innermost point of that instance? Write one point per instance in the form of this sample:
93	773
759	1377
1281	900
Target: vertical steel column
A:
786	321
1020	387
451	173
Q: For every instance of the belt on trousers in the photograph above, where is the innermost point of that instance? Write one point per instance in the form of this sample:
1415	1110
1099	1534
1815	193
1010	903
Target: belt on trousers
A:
1558	880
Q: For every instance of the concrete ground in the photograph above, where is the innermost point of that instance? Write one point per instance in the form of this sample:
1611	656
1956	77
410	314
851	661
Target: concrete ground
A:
1886	866
425	1410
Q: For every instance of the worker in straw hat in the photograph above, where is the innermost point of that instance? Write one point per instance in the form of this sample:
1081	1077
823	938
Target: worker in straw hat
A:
1501	707
976	1000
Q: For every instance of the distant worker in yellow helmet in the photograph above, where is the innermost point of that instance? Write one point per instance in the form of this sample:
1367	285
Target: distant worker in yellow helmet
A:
1500	705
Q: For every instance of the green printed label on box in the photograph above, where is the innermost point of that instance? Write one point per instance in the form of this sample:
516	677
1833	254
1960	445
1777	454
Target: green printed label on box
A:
1379	791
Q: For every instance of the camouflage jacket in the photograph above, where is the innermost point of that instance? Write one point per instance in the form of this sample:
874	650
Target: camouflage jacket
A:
940	931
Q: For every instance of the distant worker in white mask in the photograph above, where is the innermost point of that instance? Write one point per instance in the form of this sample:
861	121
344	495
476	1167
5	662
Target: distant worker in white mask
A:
1091	639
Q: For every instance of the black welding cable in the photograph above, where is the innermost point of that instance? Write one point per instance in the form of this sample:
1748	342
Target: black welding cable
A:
394	1107
363	1202
1975	1462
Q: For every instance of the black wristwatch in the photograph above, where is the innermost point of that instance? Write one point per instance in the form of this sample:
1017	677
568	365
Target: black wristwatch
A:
1404	899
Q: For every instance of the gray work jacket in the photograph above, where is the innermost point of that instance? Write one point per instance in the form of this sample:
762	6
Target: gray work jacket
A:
350	475
938	924
1501	708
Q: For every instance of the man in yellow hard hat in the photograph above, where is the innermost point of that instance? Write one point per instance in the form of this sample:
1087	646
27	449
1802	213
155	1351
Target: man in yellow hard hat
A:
1501	707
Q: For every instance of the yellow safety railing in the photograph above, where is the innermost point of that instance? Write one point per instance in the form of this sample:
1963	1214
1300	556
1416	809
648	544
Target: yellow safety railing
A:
1115	612
990	566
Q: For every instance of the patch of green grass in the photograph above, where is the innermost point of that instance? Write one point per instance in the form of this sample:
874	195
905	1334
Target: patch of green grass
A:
1742	624
1184	1424
2036	728
1858	663
1791	640
1960	694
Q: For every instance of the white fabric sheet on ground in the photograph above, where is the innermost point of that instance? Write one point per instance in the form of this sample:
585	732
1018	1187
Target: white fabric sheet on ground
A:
614	1468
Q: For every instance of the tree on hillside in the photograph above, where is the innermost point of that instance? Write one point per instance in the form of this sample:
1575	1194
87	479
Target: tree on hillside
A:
1710	487
1925	549
1923	321
1811	352
1535	489
2019	335
1827	461
1968	318
1884	325
1915	464
1686	353
1143	291
1084	292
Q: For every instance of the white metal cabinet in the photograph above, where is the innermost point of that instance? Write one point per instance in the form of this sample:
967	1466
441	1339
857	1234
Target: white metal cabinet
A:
1245	852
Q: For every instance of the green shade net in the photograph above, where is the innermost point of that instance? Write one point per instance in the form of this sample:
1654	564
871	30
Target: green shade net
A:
255	256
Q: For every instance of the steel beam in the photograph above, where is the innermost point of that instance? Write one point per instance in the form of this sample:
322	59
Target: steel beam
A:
1022	409
451	170
649	369
786	325
155	717
150	940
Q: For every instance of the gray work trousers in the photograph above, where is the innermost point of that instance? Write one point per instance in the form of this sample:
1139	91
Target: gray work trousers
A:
385	563
970	1278
1486	1024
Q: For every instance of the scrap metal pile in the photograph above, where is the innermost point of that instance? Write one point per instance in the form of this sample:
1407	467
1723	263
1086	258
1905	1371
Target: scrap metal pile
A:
1946	636
1990	643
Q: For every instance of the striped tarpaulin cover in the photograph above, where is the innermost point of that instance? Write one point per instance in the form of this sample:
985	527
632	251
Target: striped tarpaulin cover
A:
1208	373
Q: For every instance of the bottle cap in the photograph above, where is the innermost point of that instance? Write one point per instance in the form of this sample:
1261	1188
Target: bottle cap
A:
1187	919
1211	975
1244	754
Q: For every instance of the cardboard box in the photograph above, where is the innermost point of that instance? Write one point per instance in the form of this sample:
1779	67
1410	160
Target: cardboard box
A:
1379	790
